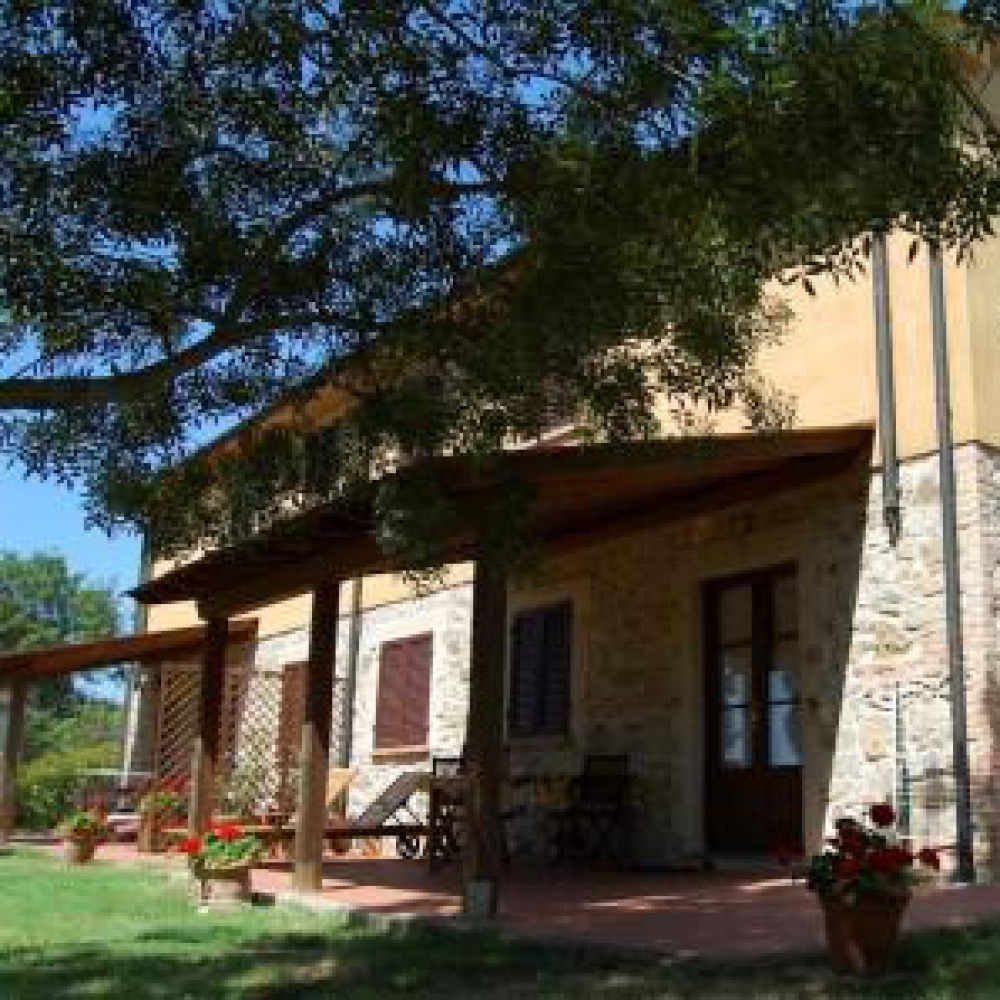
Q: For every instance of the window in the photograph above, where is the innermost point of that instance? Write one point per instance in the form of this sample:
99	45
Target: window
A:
541	655
402	709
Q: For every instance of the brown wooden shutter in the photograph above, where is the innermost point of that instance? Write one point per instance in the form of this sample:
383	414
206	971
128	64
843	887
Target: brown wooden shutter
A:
402	709
558	636
527	654
541	660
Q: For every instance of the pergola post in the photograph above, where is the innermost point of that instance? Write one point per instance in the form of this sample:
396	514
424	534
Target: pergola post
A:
205	751
314	758
485	738
10	750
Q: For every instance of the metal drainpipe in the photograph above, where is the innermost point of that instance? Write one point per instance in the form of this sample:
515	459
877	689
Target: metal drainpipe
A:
952	580
351	678
891	509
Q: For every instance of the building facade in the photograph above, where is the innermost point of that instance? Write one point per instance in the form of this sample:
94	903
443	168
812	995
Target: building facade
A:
766	665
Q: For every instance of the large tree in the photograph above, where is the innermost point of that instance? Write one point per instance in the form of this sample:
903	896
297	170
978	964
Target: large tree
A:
43	603
464	215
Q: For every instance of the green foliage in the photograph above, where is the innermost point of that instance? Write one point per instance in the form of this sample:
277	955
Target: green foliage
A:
86	724
46	786
468	217
224	847
84	824
43	603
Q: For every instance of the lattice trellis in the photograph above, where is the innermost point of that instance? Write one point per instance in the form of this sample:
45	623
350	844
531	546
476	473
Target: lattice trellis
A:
259	733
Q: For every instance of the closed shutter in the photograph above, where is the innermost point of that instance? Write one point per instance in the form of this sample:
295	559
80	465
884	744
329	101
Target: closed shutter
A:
402	709
541	660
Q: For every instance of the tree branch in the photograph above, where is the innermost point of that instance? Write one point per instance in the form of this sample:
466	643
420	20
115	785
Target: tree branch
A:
58	392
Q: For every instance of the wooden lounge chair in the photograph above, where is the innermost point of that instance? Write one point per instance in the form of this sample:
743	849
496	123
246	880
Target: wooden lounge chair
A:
390	814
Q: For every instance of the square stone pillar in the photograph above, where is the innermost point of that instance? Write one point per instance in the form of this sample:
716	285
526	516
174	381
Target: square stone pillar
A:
13	699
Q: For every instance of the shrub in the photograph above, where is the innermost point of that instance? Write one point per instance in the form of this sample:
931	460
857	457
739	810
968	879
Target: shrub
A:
47	785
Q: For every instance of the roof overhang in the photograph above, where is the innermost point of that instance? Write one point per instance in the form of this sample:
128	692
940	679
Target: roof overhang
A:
582	493
146	647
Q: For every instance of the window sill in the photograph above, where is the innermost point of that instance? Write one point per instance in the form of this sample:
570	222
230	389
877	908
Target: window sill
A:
400	755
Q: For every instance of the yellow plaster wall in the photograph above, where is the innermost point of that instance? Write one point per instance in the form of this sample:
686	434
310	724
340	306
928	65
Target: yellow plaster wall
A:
826	360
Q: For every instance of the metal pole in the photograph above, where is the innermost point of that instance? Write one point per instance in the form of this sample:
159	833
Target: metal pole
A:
952	579
886	385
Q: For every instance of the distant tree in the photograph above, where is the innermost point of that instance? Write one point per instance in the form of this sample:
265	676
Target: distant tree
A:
518	205
42	603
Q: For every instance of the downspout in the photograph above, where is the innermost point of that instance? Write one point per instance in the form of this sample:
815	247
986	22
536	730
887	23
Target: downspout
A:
891	509
952	580
351	677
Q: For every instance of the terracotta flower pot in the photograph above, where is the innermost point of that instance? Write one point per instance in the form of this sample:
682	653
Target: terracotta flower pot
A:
861	938
79	850
224	888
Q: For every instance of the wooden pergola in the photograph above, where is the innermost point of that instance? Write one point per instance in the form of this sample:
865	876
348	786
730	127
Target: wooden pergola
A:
583	495
19	670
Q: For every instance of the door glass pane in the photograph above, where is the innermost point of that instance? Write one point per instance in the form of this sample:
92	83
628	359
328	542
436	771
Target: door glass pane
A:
783	677
735	614
786	604
736	676
784	736
736	737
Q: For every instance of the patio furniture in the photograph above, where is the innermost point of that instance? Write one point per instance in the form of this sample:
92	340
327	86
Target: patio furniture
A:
446	812
389	814
596	822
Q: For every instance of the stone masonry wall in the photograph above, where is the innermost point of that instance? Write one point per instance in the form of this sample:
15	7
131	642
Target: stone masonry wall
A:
876	710
447	615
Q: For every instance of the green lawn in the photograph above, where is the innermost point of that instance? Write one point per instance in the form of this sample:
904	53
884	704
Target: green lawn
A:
109	932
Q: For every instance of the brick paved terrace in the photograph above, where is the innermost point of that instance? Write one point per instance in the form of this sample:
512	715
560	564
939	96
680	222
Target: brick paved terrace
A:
711	915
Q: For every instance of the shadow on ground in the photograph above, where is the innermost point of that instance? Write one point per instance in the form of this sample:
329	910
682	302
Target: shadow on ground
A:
352	961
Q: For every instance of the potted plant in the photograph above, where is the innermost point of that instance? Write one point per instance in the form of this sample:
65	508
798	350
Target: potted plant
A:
158	809
863	880
82	831
221	861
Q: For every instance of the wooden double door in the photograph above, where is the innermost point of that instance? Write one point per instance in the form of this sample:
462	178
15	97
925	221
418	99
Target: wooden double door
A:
753	725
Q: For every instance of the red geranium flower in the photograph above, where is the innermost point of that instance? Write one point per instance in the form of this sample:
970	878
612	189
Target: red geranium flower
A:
190	845
227	831
883	814
848	868
930	858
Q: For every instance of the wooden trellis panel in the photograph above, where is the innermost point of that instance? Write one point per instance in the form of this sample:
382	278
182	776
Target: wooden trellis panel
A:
258	747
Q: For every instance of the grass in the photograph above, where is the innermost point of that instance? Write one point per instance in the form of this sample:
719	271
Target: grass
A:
106	932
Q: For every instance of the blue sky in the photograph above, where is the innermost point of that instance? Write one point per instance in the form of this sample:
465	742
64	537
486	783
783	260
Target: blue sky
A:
46	517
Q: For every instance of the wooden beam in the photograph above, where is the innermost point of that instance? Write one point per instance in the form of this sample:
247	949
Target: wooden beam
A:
205	751
12	734
314	759
339	559
485	738
716	498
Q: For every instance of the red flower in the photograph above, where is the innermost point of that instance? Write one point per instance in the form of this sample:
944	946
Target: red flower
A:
930	858
848	868
850	840
890	860
190	845
227	831
883	814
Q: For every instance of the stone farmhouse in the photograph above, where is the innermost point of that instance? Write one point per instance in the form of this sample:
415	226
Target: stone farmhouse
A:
758	623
